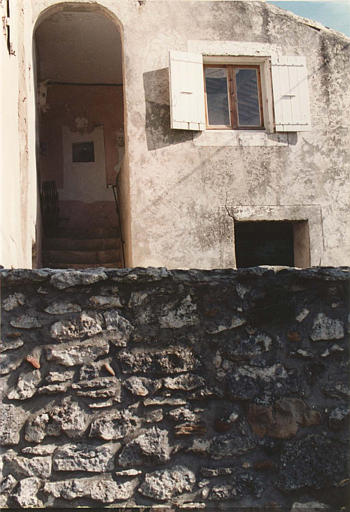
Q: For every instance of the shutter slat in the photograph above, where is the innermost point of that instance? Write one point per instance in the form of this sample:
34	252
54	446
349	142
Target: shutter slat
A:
187	110
295	84
291	95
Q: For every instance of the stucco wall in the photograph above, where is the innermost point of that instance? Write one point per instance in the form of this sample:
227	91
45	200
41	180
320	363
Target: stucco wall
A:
17	142
186	390
184	220
182	187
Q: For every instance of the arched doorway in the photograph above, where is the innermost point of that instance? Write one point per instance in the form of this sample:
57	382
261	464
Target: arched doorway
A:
81	137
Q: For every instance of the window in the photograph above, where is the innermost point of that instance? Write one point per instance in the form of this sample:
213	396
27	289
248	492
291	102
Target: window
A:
235	92
233	97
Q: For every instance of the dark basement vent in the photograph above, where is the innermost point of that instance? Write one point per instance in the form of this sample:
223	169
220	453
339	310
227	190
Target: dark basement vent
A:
264	243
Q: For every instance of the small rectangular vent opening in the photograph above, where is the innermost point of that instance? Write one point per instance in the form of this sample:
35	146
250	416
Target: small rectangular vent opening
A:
83	152
282	243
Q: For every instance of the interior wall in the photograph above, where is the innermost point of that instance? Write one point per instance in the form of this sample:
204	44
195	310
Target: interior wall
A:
81	100
73	113
81	109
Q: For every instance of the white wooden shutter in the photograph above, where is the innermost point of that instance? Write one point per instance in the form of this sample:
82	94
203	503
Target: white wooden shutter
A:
187	110
291	94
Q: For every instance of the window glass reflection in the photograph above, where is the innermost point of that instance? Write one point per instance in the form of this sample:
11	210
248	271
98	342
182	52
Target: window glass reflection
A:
217	96
247	97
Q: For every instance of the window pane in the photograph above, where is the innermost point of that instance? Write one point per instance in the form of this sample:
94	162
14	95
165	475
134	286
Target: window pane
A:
217	97
247	97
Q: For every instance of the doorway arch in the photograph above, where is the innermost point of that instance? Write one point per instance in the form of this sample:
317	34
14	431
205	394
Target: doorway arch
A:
80	131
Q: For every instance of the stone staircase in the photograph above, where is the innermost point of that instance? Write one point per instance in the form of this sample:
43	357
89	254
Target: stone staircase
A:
74	249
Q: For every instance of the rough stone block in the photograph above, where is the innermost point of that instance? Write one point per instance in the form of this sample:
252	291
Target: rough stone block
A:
169	361
150	447
185	382
25	321
26	493
238	441
115	424
69	278
313	461
180	315
248	382
227	325
71	354
13	301
105	301
70	417
104	490
103	387
9	362
12	418
325	328
44	449
118	328
84	457
107	491
61	308
165	484
11	345
283	420
141	386
86	325
26	387
21	466
8	484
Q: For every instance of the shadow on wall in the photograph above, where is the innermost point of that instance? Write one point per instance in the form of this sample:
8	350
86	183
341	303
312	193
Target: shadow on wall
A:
158	131
292	138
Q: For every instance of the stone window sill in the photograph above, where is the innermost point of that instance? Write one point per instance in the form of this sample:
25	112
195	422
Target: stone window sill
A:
243	138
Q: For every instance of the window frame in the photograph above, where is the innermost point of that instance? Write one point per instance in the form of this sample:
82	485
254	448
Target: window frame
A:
232	96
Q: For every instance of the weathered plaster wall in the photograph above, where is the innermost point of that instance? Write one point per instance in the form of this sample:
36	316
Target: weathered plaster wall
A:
192	390
17	142
189	187
181	187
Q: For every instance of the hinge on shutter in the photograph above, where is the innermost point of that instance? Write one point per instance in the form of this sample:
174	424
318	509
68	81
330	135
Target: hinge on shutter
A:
6	31
5	24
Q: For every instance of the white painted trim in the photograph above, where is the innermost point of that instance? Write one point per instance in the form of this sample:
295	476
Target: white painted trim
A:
186	87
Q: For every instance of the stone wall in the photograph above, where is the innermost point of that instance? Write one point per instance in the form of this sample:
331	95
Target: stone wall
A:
218	390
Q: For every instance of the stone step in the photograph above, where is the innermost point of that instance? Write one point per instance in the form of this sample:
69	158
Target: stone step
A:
84	266
94	232
94	257
81	244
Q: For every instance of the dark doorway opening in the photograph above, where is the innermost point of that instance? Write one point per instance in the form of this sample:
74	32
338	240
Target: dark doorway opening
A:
283	243
81	137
